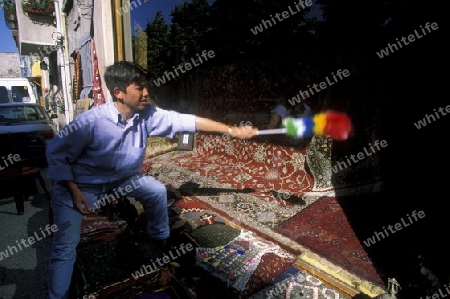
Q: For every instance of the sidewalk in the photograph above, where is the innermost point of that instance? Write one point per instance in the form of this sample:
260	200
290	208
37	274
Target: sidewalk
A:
23	273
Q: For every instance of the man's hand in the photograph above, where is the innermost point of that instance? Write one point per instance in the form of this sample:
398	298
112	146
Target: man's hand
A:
244	132
80	202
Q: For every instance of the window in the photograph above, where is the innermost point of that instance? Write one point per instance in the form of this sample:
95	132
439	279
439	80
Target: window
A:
22	113
41	113
3	95
30	113
20	94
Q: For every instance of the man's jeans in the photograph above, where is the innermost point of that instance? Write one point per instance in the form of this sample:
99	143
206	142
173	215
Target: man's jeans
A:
68	221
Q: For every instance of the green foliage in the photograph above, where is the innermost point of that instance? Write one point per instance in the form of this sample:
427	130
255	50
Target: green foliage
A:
158	47
301	49
37	4
190	24
140	47
224	27
6	5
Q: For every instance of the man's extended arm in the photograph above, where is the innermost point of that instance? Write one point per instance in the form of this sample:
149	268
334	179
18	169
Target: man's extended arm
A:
209	125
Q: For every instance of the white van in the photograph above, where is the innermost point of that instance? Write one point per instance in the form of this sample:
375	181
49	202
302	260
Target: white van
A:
17	90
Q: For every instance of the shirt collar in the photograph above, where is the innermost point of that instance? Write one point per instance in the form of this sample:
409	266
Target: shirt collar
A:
116	116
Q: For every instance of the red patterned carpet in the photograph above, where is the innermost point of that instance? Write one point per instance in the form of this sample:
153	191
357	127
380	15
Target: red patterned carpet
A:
324	228
267	188
254	182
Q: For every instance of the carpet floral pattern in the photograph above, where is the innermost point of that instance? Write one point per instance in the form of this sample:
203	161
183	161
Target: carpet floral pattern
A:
295	283
318	158
255	182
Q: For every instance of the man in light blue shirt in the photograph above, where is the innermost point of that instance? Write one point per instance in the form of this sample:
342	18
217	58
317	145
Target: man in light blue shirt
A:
98	156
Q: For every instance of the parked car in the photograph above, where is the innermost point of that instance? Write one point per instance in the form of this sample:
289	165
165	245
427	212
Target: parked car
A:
17	90
22	127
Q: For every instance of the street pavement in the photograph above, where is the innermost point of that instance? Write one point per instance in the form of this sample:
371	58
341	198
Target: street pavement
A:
23	273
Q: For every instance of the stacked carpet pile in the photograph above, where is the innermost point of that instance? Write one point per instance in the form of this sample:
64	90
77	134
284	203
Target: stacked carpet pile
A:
112	255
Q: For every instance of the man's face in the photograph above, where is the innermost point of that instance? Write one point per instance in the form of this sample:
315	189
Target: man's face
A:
136	95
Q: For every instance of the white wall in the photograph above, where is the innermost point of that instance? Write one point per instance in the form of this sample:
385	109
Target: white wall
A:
9	68
104	38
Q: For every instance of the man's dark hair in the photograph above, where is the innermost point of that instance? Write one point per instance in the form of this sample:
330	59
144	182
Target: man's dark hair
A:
123	73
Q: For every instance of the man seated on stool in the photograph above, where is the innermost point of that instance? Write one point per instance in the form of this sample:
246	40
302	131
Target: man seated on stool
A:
102	150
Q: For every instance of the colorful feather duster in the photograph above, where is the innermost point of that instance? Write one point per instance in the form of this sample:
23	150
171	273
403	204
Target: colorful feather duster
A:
330	123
